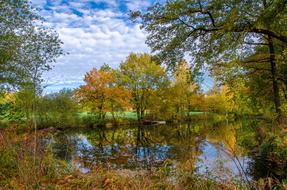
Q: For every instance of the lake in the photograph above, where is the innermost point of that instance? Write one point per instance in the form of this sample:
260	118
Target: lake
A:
218	149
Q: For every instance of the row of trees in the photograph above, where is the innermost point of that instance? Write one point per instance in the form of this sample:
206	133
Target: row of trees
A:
138	84
142	85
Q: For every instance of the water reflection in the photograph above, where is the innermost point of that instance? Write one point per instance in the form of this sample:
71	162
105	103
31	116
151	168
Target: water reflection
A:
200	147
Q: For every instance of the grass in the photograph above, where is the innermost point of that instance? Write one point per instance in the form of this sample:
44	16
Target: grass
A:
63	120
130	115
196	113
121	115
124	179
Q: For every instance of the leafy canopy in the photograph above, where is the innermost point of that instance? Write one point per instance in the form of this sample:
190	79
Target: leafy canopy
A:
27	46
212	30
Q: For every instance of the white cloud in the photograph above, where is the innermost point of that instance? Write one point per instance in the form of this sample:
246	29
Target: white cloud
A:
96	37
38	3
138	4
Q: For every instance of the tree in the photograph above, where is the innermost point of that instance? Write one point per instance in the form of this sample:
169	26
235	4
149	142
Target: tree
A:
27	47
102	93
142	76
216	31
184	88
57	109
250	79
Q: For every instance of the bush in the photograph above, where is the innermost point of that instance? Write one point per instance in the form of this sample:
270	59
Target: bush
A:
21	167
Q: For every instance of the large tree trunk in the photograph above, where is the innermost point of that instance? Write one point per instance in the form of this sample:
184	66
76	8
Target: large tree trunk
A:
276	95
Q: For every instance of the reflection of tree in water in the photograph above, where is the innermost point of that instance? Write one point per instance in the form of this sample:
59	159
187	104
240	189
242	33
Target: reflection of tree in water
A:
226	138
146	151
147	146
179	142
64	146
143	137
103	148
190	139
99	147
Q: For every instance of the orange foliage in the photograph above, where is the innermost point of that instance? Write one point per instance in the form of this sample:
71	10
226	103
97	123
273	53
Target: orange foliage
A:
102	93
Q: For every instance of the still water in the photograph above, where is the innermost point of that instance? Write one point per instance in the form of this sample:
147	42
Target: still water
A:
213	148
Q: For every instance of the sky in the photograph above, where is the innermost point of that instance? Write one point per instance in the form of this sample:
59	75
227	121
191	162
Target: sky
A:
94	32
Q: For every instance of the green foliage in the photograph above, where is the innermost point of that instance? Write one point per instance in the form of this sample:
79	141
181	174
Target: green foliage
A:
235	44
274	148
57	110
27	47
54	110
176	100
210	30
142	77
9	112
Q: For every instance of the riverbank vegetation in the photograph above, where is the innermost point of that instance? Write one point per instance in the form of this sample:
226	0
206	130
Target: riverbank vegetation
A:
241	44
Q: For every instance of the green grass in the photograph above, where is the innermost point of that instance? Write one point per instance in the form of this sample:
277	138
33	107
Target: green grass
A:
119	115
122	115
196	113
128	115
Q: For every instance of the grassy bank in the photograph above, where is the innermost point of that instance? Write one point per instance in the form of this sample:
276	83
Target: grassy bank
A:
86	119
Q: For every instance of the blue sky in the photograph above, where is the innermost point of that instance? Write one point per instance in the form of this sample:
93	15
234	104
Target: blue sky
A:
94	32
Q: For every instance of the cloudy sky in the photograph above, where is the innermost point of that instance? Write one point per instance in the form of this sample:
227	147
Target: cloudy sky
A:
94	32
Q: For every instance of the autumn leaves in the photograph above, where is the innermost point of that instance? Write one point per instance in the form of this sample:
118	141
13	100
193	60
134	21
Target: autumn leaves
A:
140	84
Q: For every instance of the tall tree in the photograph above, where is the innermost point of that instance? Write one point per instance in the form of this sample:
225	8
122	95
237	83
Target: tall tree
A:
27	47
141	75
184	87
102	93
216	31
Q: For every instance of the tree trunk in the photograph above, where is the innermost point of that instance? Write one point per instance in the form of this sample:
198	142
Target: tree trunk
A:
285	90
138	114
142	114
276	95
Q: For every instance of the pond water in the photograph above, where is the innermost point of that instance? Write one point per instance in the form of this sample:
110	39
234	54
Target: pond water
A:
213	148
